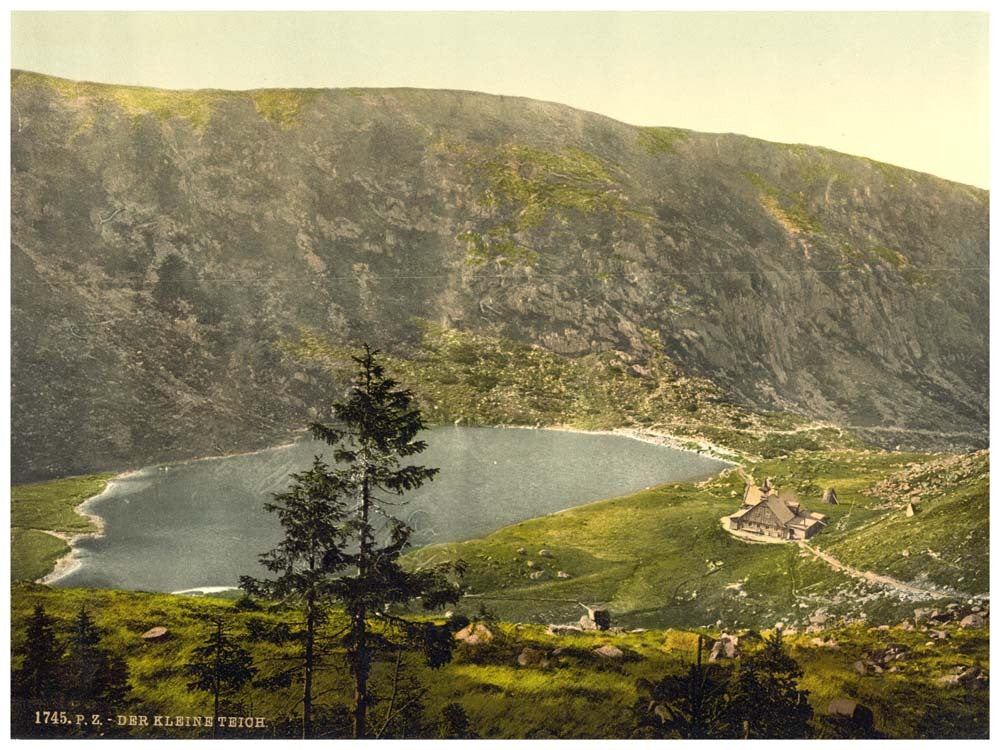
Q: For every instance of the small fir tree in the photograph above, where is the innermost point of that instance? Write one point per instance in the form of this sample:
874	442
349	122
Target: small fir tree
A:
221	667
38	675
94	676
37	682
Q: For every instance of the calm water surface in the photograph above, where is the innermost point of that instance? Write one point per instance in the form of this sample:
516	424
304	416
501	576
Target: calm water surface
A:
202	523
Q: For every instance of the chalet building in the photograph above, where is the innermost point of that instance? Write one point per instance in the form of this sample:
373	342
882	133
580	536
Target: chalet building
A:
768	513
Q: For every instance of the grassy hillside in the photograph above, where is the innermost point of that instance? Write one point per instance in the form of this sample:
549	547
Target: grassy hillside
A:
661	557
464	377
35	510
575	694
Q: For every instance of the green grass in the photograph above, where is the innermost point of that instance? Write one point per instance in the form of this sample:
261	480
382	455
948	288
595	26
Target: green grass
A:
662	140
789	208
283	107
573	696
661	558
33	553
47	506
946	542
526	187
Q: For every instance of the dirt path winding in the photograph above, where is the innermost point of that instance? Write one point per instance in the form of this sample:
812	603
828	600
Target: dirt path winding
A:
893	583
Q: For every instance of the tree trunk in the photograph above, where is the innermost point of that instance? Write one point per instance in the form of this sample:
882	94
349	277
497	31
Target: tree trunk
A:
362	658
218	687
307	729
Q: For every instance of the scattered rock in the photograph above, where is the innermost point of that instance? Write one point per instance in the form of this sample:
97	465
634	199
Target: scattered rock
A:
859	714
522	551
599	616
610	652
475	634
563	574
544	553
860	667
938	634
968	677
538	575
153	635
530	563
562	629
724	648
948	680
530	657
972	621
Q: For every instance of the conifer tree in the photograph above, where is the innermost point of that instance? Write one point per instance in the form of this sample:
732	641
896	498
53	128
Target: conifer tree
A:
220	666
764	699
36	684
314	517
38	675
374	430
94	676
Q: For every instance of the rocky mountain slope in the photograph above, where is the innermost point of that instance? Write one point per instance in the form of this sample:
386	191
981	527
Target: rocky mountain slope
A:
168	247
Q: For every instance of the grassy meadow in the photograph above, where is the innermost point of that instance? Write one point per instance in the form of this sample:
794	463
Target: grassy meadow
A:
42	507
573	694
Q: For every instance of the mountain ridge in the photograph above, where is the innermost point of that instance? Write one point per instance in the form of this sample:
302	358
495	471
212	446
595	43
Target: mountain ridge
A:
165	251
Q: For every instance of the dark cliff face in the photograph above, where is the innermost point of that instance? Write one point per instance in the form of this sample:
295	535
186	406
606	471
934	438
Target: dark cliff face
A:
165	243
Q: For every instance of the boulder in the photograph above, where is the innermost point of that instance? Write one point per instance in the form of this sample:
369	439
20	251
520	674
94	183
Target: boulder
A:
860	667
475	634
522	551
153	635
544	553
597	618
530	657
938	634
859	714
563	574
972	621
538	575
724	648
610	652
562	629
968	677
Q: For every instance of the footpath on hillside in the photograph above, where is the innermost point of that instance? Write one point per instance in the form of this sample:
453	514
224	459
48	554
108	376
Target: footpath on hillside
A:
893	583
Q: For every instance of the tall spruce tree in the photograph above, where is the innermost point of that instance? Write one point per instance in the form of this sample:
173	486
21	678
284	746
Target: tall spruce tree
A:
221	667
375	428
315	520
94	676
38	675
36	683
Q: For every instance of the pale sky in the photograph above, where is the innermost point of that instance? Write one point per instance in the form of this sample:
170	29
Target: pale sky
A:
906	88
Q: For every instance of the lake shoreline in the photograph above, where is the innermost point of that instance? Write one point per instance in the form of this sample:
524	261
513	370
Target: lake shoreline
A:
653	437
71	561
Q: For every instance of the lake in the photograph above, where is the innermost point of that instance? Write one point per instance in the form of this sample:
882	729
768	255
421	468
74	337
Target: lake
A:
202	524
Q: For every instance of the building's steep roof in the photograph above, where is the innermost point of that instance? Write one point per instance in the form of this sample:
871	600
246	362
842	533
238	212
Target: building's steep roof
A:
780	509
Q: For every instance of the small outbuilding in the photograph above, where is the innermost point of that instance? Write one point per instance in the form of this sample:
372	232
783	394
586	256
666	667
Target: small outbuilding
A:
830	496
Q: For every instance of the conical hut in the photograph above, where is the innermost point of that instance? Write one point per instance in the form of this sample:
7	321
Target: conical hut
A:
830	496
